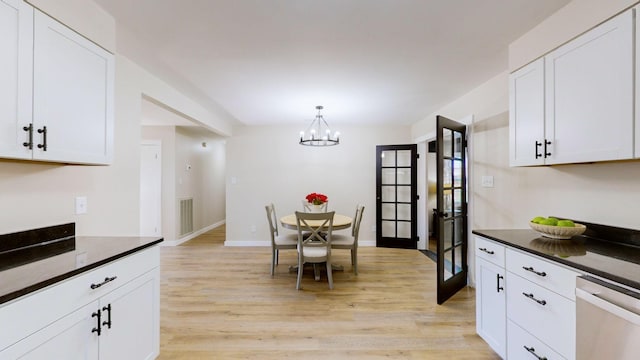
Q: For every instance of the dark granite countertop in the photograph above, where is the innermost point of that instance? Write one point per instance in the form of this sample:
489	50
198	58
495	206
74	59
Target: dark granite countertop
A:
614	261
88	253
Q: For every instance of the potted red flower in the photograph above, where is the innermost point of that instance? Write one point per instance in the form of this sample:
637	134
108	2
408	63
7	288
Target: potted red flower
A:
317	198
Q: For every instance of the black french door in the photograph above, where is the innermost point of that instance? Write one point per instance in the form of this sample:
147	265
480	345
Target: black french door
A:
396	196
451	155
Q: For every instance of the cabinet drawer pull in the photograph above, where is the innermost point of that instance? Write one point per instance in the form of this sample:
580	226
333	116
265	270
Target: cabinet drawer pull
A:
490	252
538	144
43	131
498	287
530	296
28	129
97	329
533	351
106	280
531	269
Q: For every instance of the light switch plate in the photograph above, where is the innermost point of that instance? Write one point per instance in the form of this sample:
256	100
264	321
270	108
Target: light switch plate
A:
81	205
487	181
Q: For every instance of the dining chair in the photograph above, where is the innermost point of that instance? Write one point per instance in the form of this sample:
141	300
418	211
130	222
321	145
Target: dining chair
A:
340	241
278	242
316	247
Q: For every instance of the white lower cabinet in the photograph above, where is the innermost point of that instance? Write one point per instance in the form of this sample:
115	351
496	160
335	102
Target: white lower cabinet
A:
525	305
490	302
119	319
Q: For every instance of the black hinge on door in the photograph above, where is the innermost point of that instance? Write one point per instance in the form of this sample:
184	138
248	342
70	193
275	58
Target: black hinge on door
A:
417	197
417	156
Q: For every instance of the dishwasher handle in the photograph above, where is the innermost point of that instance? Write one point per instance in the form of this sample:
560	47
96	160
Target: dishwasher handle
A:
608	306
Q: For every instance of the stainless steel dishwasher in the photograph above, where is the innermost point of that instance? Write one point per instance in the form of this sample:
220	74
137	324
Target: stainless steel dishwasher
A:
607	321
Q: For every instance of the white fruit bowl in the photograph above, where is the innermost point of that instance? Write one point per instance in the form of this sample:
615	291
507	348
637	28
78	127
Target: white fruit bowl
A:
558	232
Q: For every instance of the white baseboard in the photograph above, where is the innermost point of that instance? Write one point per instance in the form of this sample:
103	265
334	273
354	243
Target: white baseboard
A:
193	234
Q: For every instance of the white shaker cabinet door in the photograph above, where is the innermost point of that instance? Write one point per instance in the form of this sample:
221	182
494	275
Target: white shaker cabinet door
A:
16	42
132	313
73	95
526	115
589	95
491	313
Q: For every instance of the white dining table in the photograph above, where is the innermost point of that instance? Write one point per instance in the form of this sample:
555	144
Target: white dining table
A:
340	222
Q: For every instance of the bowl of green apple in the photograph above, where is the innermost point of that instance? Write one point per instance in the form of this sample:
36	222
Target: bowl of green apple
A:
555	228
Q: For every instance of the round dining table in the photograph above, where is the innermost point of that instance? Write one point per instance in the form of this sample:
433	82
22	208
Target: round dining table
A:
340	222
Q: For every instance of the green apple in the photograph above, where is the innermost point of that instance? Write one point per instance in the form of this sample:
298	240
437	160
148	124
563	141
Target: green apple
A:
548	221
537	219
566	223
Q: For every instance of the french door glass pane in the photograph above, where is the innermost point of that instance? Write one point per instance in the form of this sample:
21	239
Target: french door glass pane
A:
404	211
388	228
389	158
388	193
457	173
457	252
457	196
388	176
448	264
404	157
404	176
404	230
457	144
448	234
446	173
448	201
404	193
389	211
446	142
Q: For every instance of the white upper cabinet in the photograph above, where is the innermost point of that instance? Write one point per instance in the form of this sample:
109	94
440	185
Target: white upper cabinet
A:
576	104
589	95
526	118
16	66
56	90
72	95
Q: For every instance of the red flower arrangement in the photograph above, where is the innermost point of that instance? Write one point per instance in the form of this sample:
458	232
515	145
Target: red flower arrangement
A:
317	198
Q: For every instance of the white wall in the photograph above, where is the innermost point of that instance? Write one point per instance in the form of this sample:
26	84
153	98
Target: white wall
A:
199	173
572	20
268	165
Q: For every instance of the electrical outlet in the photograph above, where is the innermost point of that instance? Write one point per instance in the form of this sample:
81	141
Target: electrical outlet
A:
373	228
253	228
81	205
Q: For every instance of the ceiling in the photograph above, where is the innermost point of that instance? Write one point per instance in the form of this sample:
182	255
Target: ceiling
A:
264	62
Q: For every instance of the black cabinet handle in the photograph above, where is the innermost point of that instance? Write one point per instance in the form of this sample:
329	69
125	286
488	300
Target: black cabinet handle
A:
530	296
29	130
531	269
533	351
43	131
108	310
97	329
538	144
490	252
498	287
106	280
546	153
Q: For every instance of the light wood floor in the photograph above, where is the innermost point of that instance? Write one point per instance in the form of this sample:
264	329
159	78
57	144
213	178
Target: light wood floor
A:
221	303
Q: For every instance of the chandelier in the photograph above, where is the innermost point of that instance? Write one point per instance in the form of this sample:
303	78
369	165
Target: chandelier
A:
319	133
